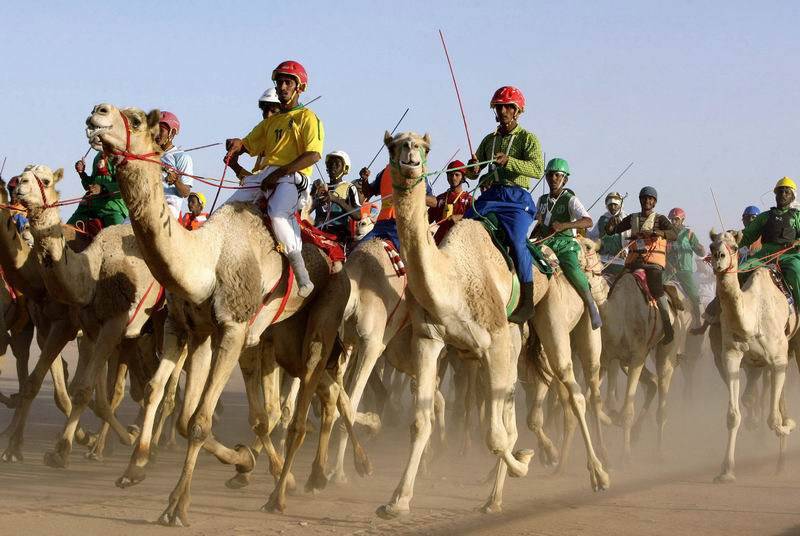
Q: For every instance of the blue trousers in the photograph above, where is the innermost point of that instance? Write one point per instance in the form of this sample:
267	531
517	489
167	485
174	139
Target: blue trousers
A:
515	209
384	229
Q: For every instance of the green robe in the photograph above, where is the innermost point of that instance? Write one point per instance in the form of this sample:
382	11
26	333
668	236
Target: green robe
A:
108	206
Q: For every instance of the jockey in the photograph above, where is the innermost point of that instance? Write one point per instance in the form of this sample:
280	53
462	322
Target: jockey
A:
195	217
778	228
611	245
651	232
336	198
290	144
516	157
269	104
18	217
102	200
177	164
560	214
749	215
386	226
680	259
452	204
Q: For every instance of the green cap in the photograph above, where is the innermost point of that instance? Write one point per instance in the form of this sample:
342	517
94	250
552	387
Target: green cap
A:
557	164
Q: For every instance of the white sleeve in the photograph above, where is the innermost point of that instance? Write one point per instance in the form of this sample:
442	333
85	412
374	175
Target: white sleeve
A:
576	209
184	163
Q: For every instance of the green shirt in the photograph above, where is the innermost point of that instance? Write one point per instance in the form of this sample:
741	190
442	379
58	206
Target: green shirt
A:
109	199
524	157
610	244
558	208
680	255
752	232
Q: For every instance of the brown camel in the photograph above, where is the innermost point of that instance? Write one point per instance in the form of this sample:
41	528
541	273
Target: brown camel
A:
757	326
56	324
220	281
110	285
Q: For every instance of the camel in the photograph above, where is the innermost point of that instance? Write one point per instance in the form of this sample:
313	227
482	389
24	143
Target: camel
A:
219	280
758	326
56	324
564	328
626	317
16	332
110	285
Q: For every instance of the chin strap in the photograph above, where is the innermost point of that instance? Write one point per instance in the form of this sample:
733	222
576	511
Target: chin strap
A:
126	154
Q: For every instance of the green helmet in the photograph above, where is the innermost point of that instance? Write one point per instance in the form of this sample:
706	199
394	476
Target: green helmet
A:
557	164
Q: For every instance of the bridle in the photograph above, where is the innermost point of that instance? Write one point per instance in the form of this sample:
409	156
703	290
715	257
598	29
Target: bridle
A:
127	154
732	262
423	163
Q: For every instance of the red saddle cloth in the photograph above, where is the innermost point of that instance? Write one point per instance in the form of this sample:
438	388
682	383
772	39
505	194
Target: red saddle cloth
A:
641	280
324	241
91	227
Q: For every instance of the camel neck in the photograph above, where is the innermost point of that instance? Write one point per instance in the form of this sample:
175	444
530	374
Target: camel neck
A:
426	266
166	246
20	268
70	277
731	300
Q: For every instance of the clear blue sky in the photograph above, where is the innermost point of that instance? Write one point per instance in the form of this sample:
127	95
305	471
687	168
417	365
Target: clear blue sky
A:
695	93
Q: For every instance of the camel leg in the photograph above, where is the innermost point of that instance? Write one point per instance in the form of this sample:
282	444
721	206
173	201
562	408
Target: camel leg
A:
751	398
470	402
628	413
367	355
21	348
59	334
664	370
107	341
169	402
569	424
96	452
328	393
199	425
318	347
426	352
170	360
777	423
287	411
732	363
536	391
650	382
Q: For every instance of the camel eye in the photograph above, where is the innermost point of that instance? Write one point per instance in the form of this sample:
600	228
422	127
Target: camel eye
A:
136	122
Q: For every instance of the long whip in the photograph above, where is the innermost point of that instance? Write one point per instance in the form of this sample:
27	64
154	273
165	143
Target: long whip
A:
716	206
391	133
458	93
624	171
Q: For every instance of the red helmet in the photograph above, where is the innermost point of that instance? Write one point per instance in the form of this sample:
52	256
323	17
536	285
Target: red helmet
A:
456	164
677	213
293	69
13	183
508	95
171	120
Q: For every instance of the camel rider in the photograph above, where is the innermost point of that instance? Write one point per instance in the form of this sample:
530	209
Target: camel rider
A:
386	226
19	211
452	204
680	259
102	201
778	228
338	197
177	164
611	245
648	252
290	144
269	104
195	218
560	214
515	157
749	215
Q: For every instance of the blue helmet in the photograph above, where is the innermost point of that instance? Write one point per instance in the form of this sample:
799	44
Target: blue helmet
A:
751	211
648	191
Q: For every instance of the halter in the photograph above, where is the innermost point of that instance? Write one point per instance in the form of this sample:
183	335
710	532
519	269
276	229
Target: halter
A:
41	189
127	152
733	265
396	165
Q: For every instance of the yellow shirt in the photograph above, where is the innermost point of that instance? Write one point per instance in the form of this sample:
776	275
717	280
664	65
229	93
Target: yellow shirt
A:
280	139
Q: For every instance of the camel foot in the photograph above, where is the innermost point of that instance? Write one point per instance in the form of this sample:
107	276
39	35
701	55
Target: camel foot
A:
361	461
58	458
549	454
275	504
12	455
238	481
599	478
605	420
783	431
133	475
12	402
176	513
87	439
725	478
93	456
491	508
339	477
391	511
250	456
523	456
317	481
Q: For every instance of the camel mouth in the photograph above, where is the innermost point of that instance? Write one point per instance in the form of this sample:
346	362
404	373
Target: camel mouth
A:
94	131
409	163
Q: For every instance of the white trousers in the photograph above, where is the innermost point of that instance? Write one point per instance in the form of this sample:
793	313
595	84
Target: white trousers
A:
282	203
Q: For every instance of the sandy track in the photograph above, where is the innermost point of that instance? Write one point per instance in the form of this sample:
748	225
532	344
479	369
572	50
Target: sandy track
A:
674	497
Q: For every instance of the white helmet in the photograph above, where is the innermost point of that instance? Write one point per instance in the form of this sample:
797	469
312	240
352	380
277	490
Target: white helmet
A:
614	197
344	156
269	95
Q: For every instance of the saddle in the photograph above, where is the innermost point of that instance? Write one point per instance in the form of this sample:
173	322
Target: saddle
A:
500	240
90	228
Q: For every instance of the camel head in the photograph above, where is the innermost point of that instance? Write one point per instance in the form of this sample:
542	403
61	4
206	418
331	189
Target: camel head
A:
589	258
37	187
724	251
129	130
408	153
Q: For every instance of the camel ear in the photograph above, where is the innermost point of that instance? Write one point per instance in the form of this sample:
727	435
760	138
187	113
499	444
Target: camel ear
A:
427	139
58	175
153	118
714	235
737	235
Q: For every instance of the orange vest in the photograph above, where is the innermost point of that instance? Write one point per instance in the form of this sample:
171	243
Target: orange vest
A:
646	250
387	203
191	223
